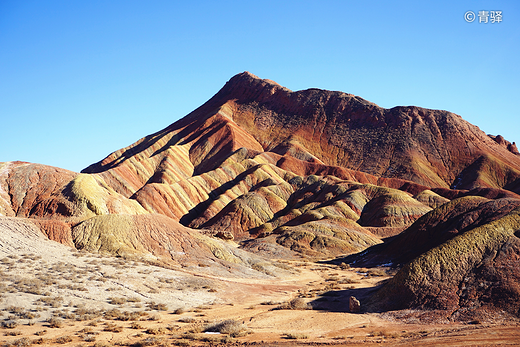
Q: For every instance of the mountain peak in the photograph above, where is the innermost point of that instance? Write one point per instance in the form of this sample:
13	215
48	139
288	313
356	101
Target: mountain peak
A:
248	76
246	85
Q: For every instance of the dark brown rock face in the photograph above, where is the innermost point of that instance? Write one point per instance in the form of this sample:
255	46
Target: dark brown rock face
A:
511	147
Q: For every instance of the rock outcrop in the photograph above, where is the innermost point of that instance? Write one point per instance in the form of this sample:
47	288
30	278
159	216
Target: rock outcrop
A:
467	262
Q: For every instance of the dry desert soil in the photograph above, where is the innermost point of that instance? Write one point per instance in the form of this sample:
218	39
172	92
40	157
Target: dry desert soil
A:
55	295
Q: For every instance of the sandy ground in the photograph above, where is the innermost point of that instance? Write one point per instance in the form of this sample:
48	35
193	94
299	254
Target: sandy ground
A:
53	295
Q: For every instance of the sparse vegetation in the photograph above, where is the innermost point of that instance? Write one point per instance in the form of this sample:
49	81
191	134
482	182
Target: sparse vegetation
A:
179	310
113	327
231	327
156	306
83	314
294	304
55	322
149	341
54	302
13	333
156	331
376	272
116	314
136	325
23	342
187	320
9	324
89	338
116	301
296	336
64	339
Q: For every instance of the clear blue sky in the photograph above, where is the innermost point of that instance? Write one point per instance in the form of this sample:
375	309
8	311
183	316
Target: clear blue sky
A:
80	79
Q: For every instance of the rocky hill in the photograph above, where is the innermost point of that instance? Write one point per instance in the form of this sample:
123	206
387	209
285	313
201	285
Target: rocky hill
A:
314	172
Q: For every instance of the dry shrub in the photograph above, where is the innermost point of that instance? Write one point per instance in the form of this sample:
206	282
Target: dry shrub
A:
31	286
156	331
23	342
54	302
269	303
229	326
149	341
190	336
116	301
86	330
136	325
344	266
332	286
9	324
376	272
64	339
15	309
94	323
154	317
187	320
195	328
296	336
283	266
41	332
113	314
294	304
179	310
78	287
13	333
65	314
157	307
113	328
341	337
83	314
28	315
89	338
261	267
347	280
55	322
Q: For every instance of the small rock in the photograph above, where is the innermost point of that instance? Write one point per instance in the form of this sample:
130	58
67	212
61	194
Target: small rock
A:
224	235
354	305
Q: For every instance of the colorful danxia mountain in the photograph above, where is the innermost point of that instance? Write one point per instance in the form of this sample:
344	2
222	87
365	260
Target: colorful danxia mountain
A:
260	172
